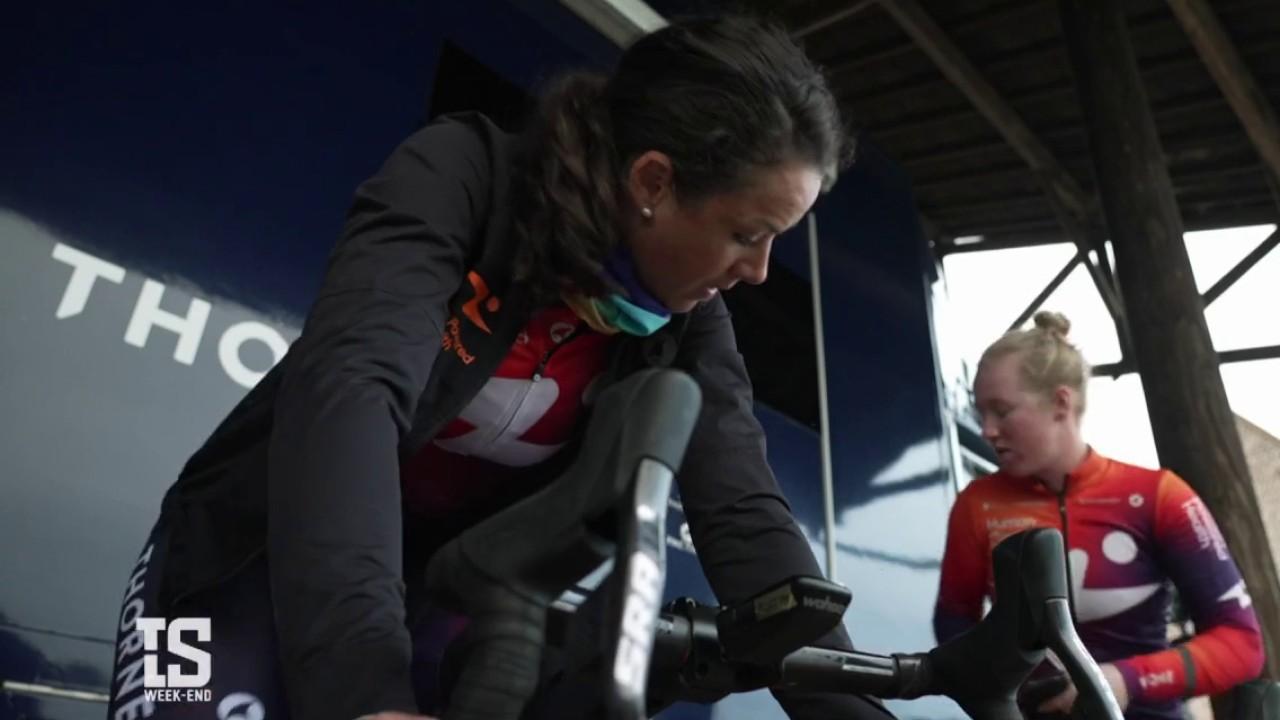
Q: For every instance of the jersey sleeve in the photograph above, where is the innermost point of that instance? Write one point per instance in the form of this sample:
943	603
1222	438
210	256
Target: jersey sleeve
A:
963	582
1227	647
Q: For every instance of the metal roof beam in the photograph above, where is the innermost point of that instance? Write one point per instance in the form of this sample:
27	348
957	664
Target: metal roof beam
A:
1242	267
832	19
1057	280
1071	204
1262	352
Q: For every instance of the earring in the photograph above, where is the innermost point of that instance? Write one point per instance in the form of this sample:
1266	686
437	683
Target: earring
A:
646	213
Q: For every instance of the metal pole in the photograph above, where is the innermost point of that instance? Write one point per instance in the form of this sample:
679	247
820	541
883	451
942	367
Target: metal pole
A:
1242	267
832	19
824	435
1057	280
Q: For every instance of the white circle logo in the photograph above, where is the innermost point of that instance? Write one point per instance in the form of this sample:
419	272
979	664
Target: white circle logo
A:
560	331
1136	500
1119	547
241	706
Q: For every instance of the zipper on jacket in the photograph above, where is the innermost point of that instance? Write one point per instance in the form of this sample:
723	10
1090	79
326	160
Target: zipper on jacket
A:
546	356
1066	548
509	416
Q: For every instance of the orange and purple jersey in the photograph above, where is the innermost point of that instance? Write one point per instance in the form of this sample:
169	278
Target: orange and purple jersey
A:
1129	532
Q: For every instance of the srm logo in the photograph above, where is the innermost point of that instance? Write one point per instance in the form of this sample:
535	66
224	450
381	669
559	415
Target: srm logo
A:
175	685
644	592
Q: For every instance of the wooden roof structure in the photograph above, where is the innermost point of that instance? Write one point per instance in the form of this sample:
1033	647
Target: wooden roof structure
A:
975	99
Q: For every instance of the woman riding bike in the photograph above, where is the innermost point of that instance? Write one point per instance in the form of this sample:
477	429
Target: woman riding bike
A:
485	287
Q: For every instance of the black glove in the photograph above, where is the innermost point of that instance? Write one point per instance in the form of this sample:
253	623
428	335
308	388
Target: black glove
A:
1047	681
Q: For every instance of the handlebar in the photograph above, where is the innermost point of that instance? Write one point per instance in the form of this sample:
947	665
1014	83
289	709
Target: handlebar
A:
506	571
981	669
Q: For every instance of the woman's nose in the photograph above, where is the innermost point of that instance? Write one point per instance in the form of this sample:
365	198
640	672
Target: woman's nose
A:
990	429
754	269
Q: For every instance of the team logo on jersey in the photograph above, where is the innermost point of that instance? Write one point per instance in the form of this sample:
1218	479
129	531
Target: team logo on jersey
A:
1156	679
1101	500
560	331
500	414
1206	530
1119	548
1239	593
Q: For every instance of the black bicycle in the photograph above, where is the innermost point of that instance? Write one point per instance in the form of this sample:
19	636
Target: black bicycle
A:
507	571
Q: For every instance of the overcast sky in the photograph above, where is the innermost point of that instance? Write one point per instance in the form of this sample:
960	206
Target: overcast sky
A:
987	290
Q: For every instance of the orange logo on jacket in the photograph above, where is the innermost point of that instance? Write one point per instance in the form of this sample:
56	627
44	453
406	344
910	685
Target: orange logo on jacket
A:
452	340
471	308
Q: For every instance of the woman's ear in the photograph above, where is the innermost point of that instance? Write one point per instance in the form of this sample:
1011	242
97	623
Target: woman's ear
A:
651	180
1065	400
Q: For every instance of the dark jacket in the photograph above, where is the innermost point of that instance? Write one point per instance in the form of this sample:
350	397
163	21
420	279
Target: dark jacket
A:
306	467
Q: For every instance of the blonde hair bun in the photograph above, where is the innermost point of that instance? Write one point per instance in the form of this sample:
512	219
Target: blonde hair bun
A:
1047	359
1053	322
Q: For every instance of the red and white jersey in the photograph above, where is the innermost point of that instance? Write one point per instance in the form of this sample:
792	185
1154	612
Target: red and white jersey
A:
522	416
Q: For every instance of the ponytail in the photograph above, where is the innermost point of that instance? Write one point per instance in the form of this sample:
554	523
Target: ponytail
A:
568	201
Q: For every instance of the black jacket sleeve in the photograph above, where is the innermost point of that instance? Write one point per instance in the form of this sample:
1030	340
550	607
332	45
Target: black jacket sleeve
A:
348	396
742	527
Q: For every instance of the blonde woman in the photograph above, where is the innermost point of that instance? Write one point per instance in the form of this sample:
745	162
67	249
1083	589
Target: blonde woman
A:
1129	532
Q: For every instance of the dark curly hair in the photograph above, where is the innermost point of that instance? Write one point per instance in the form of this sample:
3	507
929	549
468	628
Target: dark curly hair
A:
720	96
